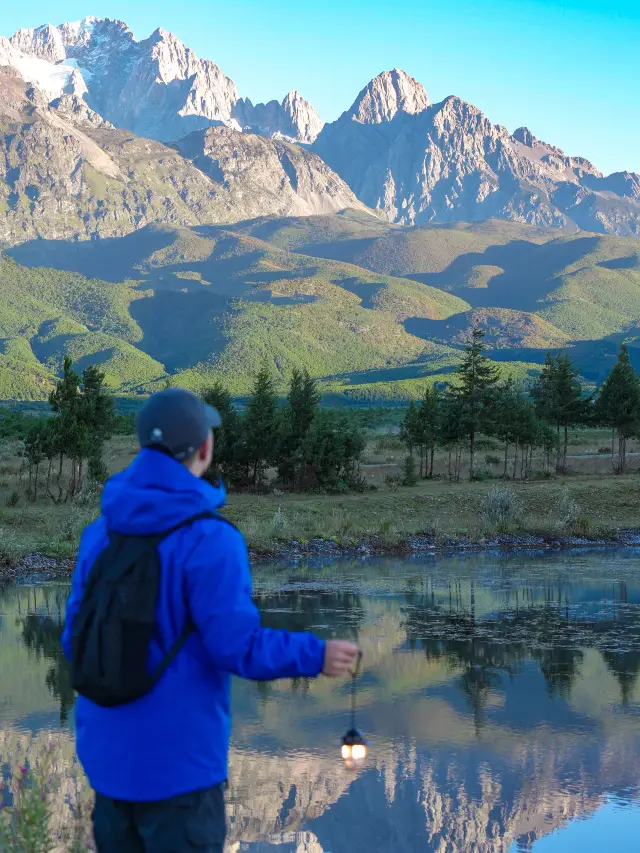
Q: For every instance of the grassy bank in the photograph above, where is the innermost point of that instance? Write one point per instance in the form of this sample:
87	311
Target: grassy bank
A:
445	511
590	502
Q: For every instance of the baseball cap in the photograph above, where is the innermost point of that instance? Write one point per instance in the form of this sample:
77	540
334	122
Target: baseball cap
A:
177	421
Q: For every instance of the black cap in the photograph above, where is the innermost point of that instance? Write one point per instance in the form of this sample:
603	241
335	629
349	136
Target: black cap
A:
176	421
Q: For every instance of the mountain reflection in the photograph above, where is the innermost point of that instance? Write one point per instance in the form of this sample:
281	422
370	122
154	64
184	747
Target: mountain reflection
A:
500	705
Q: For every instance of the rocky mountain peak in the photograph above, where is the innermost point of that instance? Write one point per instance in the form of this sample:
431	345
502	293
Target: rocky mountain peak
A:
305	123
156	87
45	42
79	33
386	95
524	135
294	119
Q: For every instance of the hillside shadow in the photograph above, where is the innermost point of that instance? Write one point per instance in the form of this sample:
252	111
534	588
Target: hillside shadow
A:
337	250
110	259
440	331
181	329
392	374
528	268
593	358
628	263
366	291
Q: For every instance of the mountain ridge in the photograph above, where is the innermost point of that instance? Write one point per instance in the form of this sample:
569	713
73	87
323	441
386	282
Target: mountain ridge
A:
408	159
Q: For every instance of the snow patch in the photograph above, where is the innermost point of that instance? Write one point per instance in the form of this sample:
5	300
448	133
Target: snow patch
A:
87	75
52	80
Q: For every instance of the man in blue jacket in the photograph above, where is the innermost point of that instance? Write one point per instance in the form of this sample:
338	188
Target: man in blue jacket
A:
159	764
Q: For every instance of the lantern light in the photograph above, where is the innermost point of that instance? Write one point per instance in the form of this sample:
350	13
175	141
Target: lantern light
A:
354	749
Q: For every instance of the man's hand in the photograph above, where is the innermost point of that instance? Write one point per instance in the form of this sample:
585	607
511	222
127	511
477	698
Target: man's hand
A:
340	657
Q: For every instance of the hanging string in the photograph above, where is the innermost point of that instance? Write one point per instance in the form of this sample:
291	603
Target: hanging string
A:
354	674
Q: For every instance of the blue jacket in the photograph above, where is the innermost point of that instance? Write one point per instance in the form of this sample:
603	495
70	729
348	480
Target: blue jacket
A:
176	739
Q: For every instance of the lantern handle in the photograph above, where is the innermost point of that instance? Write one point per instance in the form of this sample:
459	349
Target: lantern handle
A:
355	672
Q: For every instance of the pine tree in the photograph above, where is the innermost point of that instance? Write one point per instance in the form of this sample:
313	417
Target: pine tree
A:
452	433
475	391
303	401
333	446
559	399
260	423
84	418
428	426
296	418
618	403
506	404
98	413
35	451
72	439
409	427
228	437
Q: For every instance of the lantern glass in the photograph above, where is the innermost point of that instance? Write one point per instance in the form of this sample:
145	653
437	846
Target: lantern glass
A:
354	749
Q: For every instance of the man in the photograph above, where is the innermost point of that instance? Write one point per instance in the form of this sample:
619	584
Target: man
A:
159	764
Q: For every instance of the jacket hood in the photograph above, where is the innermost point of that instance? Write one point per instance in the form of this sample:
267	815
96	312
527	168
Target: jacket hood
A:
155	493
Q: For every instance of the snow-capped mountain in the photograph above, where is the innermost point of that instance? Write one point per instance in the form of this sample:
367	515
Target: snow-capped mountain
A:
53	80
414	161
156	87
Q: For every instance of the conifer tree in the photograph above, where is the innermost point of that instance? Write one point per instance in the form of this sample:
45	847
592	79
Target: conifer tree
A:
475	391
296	418
559	399
618	403
228	437
429	414
261	426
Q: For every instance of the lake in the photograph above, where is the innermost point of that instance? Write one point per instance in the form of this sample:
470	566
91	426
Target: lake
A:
499	695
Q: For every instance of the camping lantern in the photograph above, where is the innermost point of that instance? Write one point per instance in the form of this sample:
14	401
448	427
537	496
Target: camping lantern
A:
354	749
354	746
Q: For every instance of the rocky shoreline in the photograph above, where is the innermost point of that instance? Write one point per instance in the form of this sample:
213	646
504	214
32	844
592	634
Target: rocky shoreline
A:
38	567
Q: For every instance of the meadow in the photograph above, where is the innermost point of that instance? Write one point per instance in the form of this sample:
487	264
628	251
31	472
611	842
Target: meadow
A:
589	501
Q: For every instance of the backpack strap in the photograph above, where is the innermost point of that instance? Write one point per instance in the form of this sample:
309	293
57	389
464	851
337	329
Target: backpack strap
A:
207	513
189	627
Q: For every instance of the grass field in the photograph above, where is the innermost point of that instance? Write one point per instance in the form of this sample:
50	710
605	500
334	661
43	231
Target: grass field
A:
601	503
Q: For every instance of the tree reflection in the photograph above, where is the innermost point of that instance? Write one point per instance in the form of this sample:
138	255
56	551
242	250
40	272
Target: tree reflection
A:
42	634
625	667
446	627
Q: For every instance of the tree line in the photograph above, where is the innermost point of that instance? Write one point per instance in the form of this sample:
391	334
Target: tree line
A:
314	447
310	447
478	403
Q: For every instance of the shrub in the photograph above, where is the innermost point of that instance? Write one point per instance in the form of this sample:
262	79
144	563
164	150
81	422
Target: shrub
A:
567	509
392	481
582	526
501	508
604	451
490	459
410	477
24	826
483	474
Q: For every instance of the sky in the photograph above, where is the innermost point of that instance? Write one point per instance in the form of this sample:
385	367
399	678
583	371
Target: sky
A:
569	71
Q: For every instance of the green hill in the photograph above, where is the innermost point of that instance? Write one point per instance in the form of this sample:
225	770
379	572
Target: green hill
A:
199	303
371	309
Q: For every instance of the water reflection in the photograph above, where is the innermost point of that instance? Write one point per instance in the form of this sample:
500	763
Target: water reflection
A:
501	697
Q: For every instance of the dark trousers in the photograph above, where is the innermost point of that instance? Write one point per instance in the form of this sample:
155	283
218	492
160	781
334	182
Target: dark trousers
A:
189	822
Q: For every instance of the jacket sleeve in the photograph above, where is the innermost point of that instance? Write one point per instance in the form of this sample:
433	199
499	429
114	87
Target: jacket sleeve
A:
219	595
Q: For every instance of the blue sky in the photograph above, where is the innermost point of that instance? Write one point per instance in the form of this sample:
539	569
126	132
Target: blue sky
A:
568	70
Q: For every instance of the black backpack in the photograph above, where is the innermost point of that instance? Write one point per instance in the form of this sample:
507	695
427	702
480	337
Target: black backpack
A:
116	621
